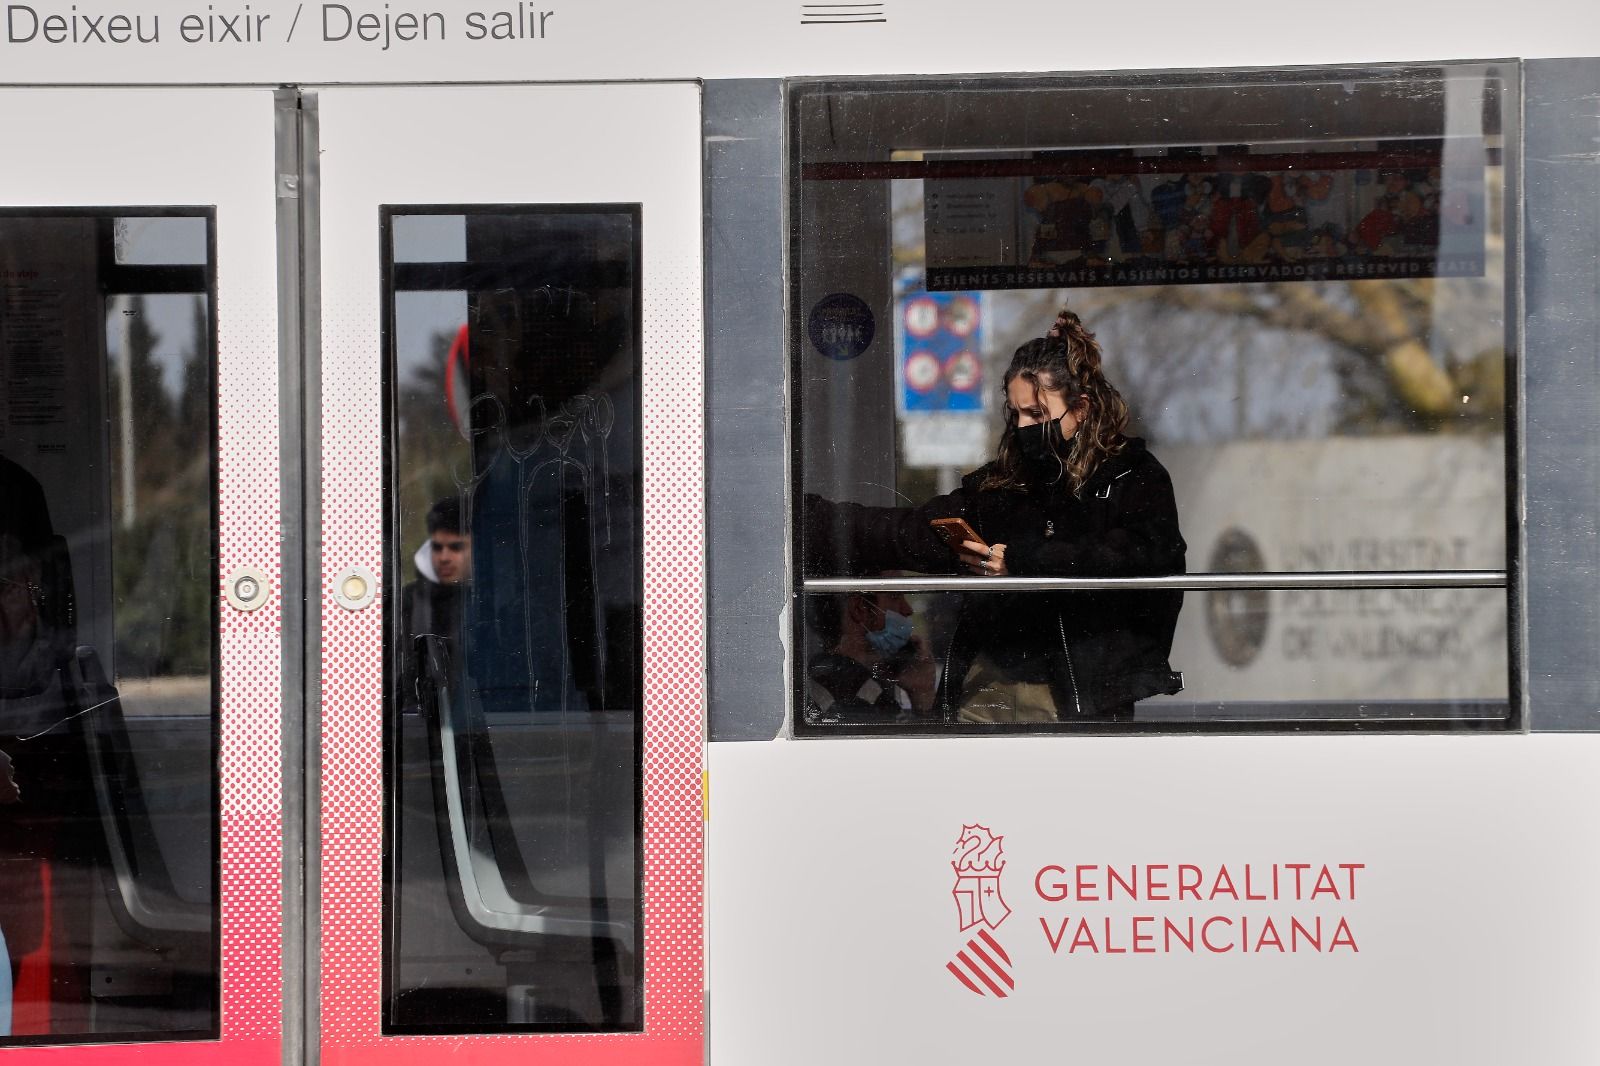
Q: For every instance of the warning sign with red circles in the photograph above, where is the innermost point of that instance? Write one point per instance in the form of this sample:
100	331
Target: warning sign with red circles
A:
922	317
923	371
961	315
939	344
963	371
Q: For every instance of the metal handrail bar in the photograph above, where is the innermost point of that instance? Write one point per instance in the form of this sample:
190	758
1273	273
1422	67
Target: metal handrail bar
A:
1341	580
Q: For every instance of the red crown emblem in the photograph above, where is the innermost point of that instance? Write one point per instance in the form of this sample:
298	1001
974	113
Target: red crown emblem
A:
979	859
978	851
982	965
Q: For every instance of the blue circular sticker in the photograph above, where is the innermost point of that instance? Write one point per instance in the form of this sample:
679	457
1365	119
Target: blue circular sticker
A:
841	326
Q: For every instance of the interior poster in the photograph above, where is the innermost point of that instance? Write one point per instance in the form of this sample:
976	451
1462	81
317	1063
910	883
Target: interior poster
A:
1187	215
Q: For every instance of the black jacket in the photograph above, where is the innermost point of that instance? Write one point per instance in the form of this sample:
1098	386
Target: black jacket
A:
1099	651
840	689
427	607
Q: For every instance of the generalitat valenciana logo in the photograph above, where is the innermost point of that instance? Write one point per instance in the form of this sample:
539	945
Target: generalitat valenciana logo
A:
982	964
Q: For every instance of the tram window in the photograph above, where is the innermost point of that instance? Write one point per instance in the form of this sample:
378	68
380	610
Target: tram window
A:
514	655
163	241
1274	421
108	790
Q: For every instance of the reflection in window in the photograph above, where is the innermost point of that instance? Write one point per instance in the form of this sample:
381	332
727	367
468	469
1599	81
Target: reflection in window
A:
1298	287
514	665
108	811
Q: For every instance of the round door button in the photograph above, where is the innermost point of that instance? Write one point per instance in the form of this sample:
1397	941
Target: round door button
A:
246	589
355	588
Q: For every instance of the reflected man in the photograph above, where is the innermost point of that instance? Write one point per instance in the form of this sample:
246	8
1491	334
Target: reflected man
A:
433	603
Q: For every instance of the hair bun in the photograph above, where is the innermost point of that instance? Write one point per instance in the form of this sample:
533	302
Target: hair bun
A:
1070	330
1067	323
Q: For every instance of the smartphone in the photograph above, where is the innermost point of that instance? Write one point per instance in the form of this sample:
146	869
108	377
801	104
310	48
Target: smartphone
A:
953	531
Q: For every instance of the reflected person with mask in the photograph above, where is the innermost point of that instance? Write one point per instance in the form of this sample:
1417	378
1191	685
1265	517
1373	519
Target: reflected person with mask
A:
1069	494
874	668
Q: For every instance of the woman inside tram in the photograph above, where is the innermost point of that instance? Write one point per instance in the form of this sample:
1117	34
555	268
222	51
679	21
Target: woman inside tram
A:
1069	494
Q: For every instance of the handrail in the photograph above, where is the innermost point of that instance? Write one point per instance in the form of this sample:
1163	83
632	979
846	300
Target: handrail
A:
1337	580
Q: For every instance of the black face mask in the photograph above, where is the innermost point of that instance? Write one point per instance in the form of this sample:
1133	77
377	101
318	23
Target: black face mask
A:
1039	445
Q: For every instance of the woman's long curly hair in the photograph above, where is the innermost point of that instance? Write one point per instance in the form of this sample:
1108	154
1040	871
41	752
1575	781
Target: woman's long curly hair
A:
1066	361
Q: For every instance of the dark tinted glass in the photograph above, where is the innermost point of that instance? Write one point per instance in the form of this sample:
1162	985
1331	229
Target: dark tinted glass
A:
514	659
108	812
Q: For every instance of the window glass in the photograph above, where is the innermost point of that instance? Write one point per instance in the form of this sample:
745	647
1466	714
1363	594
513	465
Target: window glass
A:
1278	393
108	792
162	240
429	238
514	664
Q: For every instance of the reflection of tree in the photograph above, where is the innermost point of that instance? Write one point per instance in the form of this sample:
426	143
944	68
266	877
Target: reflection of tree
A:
1314	358
429	445
1381	333
162	561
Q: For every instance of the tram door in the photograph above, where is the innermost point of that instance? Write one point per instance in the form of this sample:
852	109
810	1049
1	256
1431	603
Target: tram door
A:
140	701
511	556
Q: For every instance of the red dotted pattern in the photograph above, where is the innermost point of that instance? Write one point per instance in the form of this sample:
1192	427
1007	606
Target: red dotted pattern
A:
674	696
352	678
252	658
674	653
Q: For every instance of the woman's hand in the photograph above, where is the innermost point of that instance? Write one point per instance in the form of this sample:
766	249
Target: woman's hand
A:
987	560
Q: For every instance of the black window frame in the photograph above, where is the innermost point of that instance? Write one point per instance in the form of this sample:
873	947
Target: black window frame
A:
409	276
136	279
1509	72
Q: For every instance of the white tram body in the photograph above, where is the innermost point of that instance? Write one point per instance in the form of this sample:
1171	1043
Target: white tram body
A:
464	563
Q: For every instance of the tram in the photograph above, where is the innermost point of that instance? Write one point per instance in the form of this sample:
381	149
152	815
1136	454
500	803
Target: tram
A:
816	533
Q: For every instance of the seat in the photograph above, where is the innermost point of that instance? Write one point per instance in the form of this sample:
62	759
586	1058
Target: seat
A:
491	893
141	893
